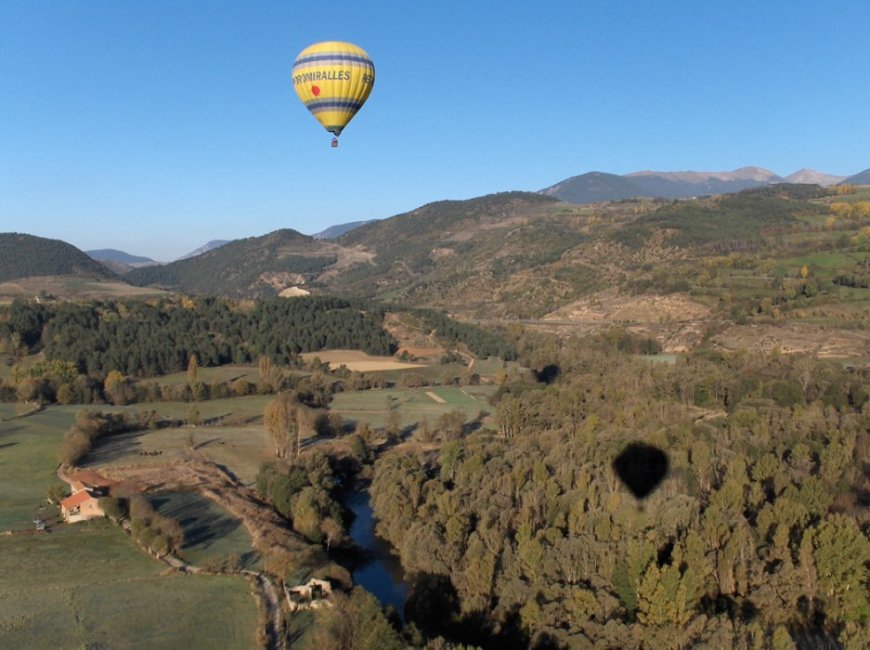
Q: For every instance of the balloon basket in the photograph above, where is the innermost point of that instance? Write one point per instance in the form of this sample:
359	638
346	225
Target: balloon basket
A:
335	143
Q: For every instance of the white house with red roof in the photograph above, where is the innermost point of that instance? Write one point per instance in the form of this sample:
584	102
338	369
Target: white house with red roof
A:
83	504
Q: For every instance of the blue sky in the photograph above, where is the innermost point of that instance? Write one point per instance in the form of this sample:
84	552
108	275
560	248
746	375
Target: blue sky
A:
155	126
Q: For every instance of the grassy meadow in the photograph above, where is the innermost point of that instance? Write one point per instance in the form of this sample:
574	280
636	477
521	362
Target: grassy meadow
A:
28	459
413	404
87	584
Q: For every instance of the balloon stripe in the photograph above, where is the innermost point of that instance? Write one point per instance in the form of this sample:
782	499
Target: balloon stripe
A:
320	105
333	58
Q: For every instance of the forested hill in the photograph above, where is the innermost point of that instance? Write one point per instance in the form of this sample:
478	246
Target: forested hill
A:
25	256
444	220
251	267
444	244
146	339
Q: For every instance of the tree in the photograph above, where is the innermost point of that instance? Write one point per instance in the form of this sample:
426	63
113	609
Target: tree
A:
116	387
192	370
280	419
841	553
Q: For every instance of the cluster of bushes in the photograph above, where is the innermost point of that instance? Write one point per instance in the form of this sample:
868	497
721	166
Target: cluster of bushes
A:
306	493
156	533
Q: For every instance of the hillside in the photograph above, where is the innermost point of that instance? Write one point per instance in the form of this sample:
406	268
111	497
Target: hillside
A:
765	267
255	266
770	264
25	256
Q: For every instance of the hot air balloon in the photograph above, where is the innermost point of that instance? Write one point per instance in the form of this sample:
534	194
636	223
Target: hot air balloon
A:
333	79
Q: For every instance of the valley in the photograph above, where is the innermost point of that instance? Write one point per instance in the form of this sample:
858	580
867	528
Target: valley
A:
476	367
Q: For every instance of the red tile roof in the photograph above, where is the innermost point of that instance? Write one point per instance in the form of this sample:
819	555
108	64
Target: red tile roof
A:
90	478
76	499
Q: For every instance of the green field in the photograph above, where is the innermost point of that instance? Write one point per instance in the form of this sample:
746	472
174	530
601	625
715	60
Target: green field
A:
240	447
88	586
412	403
28	458
209	530
827	262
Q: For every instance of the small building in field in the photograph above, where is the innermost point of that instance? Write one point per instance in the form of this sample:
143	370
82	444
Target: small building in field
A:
80	506
313	595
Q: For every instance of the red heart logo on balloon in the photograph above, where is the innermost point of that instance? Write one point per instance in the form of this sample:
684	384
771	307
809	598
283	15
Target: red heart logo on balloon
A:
315	90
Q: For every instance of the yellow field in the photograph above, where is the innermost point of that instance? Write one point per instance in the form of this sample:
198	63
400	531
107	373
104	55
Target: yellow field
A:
359	361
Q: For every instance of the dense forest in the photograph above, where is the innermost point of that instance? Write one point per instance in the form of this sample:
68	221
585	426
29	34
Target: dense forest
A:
93	351
146	339
757	537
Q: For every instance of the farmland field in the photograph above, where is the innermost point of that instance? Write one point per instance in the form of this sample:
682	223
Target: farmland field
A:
88	586
74	287
412	403
28	460
359	361
228	373
54	583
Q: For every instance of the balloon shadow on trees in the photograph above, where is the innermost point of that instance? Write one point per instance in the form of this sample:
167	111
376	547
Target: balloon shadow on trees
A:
641	468
548	374
433	605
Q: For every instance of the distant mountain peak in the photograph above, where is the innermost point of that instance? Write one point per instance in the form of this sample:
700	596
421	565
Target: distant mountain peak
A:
600	186
115	255
337	230
205	248
812	177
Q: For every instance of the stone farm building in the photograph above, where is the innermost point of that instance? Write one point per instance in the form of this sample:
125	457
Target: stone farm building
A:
83	503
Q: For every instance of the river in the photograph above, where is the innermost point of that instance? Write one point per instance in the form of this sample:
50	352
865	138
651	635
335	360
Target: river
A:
380	572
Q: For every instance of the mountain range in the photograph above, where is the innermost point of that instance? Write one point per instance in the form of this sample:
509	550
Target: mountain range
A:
506	255
593	187
529	250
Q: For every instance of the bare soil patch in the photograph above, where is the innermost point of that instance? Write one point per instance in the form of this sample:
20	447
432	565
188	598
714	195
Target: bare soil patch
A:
675	320
790	338
610	306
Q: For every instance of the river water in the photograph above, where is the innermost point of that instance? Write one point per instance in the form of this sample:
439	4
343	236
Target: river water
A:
380	572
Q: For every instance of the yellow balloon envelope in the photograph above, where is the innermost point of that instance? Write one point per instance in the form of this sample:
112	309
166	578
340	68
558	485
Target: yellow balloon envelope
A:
333	80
